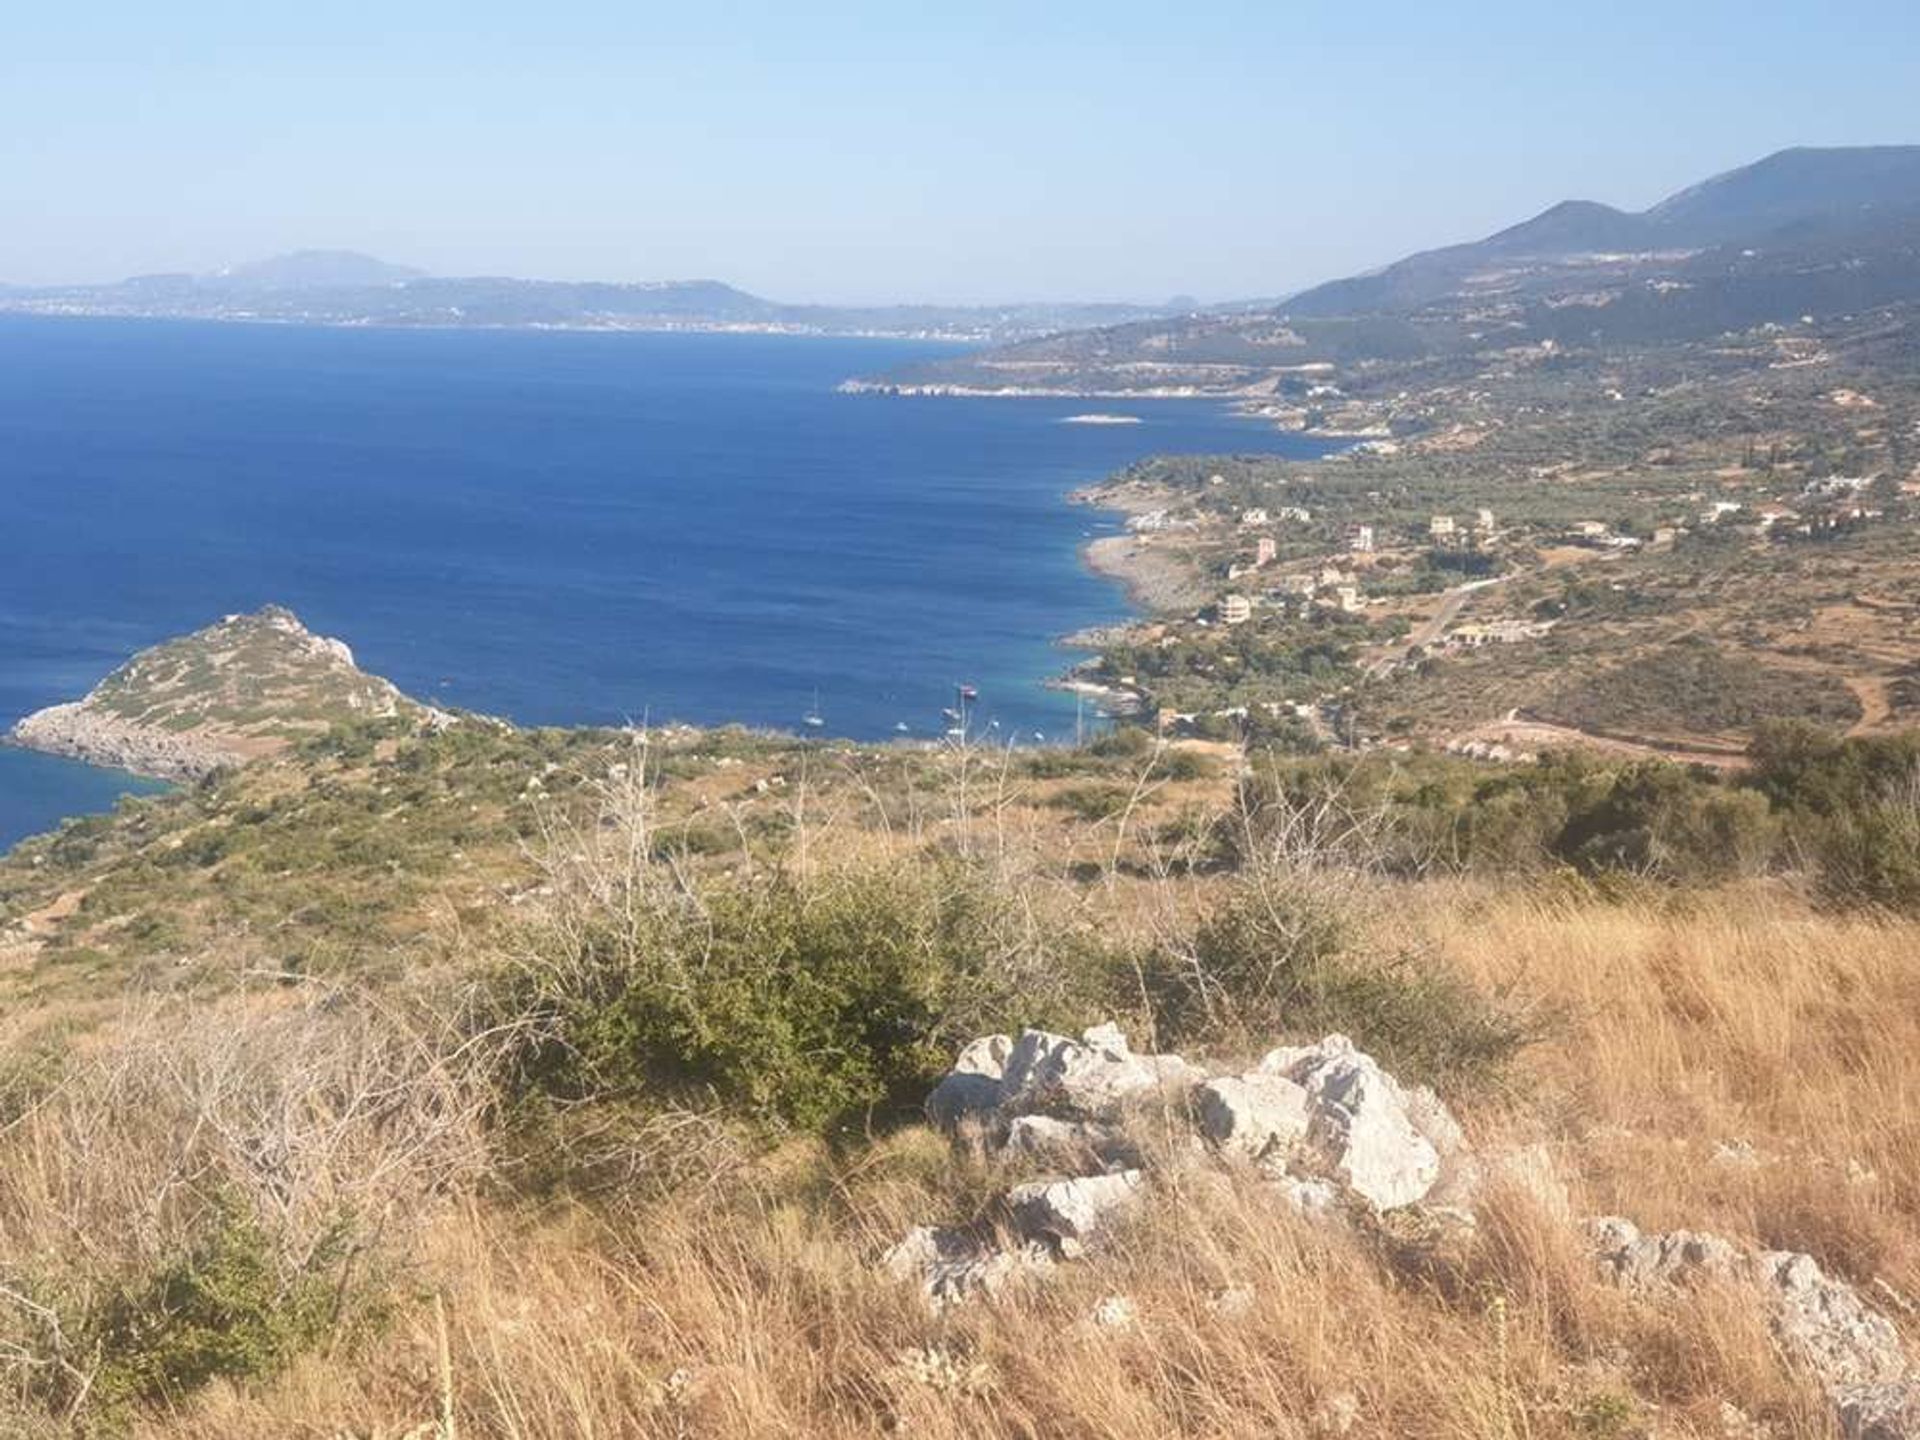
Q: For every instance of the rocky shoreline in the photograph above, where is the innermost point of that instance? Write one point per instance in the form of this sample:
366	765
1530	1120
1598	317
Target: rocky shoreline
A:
1156	579
75	732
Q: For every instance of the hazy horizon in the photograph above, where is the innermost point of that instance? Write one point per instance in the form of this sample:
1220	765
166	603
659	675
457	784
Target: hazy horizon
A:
856	154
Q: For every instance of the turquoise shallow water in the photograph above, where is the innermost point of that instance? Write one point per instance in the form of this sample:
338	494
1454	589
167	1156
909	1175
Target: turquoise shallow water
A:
37	792
560	528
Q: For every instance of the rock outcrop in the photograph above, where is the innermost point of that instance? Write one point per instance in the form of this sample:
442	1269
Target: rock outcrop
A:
1386	1142
1324	1126
94	737
1336	1138
952	1264
1068	1215
1821	1322
1880	1412
1092	1080
1254	1117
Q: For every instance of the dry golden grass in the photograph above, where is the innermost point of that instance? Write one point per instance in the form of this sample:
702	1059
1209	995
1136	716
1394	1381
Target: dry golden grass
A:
1737	1063
753	1308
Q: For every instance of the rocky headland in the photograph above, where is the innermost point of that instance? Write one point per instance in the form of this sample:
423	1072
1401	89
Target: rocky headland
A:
247	687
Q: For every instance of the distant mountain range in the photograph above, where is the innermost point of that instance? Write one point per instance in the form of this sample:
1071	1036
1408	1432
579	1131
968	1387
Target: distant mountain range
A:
342	287
1802	232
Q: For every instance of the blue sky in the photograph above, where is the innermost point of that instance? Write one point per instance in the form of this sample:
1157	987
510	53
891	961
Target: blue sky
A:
863	152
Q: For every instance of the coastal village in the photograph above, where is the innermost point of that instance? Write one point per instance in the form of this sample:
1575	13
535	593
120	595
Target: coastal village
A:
1433	580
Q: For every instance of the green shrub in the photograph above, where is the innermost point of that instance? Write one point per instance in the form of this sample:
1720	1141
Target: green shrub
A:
1281	959
1663	820
1870	855
1125	742
227	1307
1183	765
1804	769
793	1004
1851	805
1093	801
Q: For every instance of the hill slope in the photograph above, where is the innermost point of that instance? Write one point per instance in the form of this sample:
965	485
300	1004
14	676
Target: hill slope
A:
1792	187
316	270
1828	190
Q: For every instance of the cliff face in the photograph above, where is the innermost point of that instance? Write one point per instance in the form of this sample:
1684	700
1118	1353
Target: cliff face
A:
242	689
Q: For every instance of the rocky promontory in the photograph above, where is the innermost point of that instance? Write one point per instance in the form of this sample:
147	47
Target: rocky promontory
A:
244	688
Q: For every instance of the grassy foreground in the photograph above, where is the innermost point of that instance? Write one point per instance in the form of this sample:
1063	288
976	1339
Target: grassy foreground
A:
598	1128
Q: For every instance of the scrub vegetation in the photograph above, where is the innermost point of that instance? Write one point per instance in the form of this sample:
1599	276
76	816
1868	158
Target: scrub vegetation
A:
561	1083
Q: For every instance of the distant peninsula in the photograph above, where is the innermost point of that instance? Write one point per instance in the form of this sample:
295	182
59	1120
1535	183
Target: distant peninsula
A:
343	287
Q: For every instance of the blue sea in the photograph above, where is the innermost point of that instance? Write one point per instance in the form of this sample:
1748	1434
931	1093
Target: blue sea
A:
555	527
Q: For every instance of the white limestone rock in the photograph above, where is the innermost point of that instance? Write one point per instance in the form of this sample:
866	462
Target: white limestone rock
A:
1315	1199
1839	1337
1252	1117
1078	1146
1071	1214
1678	1257
1382	1140
1092	1080
1048	1074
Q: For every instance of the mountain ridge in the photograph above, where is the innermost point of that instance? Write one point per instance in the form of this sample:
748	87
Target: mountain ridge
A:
1799	233
1744	204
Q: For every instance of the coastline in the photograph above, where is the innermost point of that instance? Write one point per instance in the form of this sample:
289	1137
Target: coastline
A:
1154	576
1155	581
948	390
39	791
72	731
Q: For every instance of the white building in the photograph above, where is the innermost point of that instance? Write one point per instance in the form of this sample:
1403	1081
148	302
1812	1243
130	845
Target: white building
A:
1236	610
